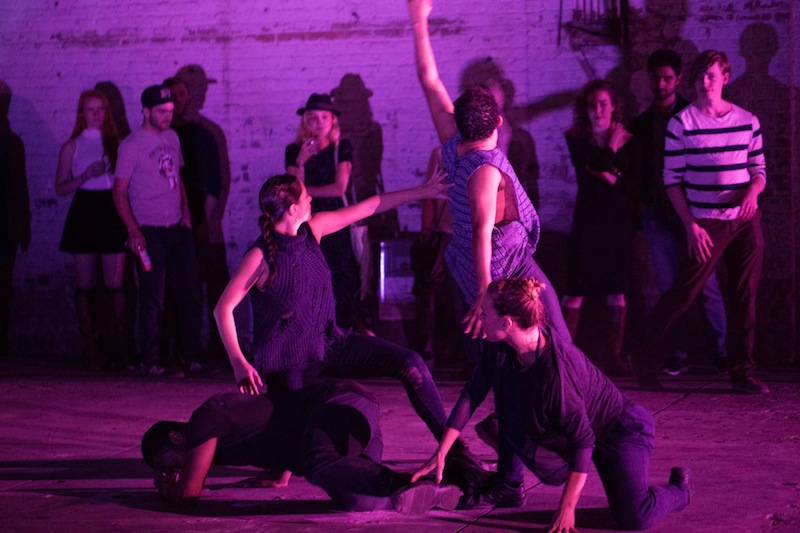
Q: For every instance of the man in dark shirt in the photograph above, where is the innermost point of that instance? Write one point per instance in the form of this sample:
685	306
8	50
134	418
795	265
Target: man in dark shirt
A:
665	234
327	432
202	178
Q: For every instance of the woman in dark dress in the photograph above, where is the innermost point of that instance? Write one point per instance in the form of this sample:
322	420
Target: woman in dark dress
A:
607	161
558	413
324	162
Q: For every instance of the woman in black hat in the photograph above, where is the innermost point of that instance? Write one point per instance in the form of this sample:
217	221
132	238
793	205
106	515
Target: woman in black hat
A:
324	162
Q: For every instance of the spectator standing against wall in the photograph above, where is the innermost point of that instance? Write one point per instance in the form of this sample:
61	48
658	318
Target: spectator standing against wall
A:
438	336
324	162
608	165
665	234
15	213
714	172
202	179
151	201
93	231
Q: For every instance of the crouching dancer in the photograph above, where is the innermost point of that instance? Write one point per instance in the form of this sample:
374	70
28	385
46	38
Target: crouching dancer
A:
558	412
327	432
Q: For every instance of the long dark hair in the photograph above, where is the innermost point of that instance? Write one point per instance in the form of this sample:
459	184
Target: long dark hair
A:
108	129
519	299
581	127
275	198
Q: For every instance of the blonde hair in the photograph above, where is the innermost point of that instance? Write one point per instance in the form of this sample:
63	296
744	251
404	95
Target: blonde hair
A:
304	134
518	298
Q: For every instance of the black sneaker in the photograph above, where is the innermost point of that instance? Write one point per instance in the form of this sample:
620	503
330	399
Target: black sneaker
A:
750	385
675	366
422	496
504	494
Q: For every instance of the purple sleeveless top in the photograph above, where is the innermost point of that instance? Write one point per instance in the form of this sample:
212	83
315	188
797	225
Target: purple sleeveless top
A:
512	244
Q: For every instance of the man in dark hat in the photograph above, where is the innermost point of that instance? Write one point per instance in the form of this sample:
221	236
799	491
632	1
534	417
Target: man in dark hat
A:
151	201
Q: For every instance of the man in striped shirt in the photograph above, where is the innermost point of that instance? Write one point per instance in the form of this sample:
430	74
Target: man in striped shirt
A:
714	171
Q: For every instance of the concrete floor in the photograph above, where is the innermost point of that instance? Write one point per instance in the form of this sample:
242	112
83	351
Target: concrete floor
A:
69	449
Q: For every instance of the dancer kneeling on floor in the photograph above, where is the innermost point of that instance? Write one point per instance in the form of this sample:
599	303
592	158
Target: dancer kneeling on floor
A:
559	412
327	432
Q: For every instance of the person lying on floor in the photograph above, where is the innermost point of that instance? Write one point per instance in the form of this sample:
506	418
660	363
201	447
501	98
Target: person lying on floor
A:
327	432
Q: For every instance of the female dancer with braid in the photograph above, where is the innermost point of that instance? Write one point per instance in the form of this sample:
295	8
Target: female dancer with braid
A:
295	335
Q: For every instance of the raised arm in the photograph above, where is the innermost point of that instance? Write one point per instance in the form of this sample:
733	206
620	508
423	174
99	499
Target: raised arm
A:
440	104
328	222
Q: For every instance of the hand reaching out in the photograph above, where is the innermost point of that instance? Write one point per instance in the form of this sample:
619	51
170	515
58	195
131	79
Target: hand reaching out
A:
435	186
434	463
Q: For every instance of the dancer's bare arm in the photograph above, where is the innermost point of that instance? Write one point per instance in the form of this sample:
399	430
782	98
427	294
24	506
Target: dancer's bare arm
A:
440	104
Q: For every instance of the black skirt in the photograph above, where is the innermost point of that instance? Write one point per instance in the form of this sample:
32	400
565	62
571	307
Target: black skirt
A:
93	225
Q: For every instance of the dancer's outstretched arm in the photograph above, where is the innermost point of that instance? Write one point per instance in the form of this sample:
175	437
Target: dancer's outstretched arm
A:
439	102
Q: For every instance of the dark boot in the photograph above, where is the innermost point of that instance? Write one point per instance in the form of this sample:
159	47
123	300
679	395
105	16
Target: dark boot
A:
572	316
112	329
464	470
615	365
86	310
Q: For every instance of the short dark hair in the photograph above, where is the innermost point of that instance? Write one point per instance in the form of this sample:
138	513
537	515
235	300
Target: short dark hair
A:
705	60
476	114
665	58
156	439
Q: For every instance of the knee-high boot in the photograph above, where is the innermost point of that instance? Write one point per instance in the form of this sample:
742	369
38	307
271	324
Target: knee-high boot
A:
572	317
112	330
86	311
615	365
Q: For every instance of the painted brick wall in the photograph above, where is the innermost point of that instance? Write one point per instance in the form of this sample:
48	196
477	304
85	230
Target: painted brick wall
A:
267	57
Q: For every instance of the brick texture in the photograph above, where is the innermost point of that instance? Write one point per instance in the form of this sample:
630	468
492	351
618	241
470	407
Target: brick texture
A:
269	56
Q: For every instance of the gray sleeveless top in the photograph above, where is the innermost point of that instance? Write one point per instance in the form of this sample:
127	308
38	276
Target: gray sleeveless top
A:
512	243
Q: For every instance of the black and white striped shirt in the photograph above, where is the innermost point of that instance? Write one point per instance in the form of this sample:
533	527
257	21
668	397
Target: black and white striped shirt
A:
713	159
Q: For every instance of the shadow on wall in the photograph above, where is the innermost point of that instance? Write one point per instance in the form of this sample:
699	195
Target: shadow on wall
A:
659	25
514	140
195	77
767	97
15	214
356	122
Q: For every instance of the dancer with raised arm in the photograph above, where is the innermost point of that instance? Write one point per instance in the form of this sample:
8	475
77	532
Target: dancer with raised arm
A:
495	226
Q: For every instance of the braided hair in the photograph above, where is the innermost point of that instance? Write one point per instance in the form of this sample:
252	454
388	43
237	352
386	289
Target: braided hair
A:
275	198
519	299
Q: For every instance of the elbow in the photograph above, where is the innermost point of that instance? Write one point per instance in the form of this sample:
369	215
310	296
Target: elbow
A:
217	312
